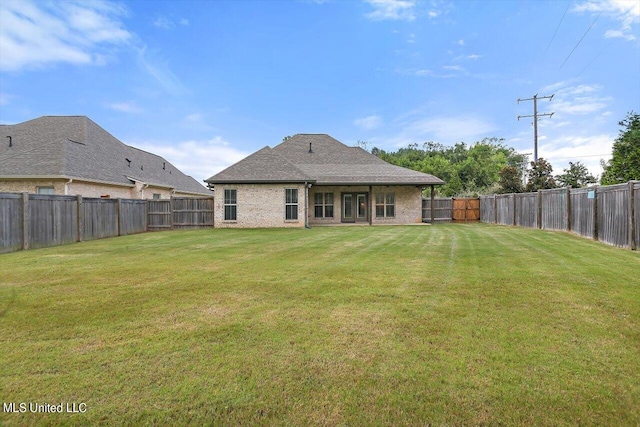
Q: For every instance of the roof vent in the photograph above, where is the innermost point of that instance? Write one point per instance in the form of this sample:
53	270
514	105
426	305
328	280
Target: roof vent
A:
163	165
310	150
10	141
128	161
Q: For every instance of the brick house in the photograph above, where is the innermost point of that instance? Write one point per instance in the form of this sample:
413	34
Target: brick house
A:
314	179
73	155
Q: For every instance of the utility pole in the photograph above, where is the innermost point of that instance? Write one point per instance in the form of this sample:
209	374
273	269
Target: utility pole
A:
535	116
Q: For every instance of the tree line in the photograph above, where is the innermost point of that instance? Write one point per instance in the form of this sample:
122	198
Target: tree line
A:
489	166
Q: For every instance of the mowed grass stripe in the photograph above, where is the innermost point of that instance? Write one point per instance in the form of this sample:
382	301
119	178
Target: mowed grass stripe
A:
458	324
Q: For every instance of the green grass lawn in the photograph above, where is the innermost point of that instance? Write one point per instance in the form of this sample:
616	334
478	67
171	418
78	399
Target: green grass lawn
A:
449	324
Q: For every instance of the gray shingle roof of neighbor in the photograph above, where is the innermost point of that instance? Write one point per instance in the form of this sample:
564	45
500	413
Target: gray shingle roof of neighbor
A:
320	159
75	147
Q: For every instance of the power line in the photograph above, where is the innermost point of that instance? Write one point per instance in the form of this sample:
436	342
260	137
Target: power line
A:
579	41
535	116
596	57
558	27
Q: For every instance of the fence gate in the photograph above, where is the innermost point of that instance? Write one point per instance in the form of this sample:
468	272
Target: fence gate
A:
466	209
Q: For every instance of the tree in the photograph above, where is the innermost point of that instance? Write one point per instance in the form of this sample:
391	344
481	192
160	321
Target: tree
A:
540	176
625	164
576	175
363	144
466	169
510	180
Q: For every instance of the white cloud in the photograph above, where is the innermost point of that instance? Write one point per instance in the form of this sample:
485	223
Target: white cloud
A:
126	107
193	118
460	42
588	150
418	72
197	158
5	98
167	23
445	129
369	122
395	10
36	34
160	71
474	56
164	23
625	12
579	99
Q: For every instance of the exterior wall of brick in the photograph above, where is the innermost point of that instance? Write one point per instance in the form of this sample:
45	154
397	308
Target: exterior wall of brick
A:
88	189
30	186
408	203
258	205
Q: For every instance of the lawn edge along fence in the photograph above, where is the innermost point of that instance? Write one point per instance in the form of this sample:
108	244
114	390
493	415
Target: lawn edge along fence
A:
30	221
609	214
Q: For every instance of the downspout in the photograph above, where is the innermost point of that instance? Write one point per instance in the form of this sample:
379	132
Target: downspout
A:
66	186
142	190
307	186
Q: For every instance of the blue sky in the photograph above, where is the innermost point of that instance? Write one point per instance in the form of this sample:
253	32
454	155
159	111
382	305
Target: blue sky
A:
205	83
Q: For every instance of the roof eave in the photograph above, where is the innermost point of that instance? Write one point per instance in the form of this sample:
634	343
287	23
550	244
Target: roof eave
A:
255	181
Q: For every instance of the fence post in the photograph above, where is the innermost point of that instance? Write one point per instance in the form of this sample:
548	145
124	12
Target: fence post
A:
495	209
632	213
171	212
146	215
568	208
432	207
595	212
25	221
539	209
514	209
118	213
80	217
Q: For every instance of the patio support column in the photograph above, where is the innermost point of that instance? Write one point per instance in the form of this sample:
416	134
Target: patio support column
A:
306	204
371	205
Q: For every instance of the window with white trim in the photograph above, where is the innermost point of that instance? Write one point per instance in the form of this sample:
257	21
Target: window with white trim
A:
291	204
385	205
230	205
323	205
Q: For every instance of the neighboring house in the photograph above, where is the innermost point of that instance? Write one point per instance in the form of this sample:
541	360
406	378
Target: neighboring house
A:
73	155
313	179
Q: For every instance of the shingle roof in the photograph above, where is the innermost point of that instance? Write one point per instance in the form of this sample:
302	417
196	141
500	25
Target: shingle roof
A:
265	165
321	159
76	147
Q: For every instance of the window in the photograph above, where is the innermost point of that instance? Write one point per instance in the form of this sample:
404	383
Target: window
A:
323	205
230	205
291	204
156	196
45	190
385	205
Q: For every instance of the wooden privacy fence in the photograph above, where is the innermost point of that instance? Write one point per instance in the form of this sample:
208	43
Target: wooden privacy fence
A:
30	221
610	214
451	208
180	213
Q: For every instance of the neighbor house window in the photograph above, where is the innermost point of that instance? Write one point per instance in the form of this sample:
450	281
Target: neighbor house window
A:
45	190
323	205
230	205
385	205
156	196
291	204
